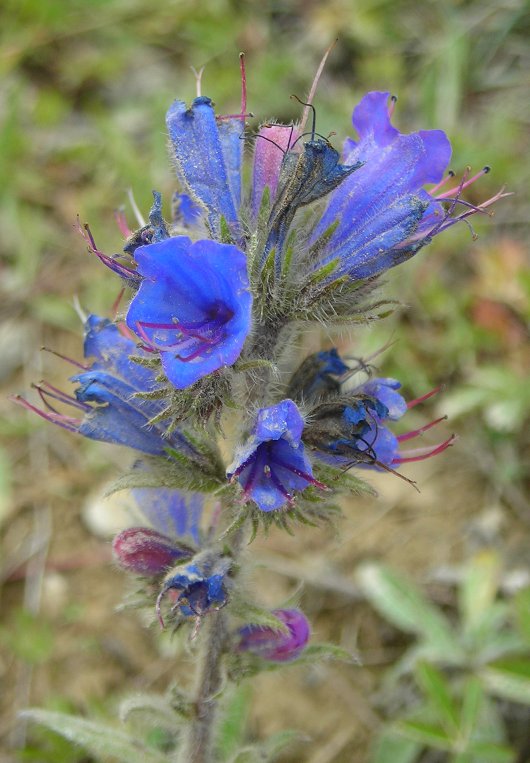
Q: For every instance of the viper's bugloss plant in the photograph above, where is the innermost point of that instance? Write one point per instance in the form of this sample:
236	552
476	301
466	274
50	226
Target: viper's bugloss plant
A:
201	372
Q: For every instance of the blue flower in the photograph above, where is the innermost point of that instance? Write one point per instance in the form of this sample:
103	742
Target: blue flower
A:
196	588
193	306
272	464
108	398
208	157
382	214
276	645
351	430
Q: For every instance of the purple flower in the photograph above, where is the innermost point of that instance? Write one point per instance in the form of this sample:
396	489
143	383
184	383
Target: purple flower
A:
146	552
272	464
173	517
193	306
108	403
275	645
382	214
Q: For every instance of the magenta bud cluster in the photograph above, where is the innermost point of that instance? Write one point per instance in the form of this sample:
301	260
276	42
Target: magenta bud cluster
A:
273	644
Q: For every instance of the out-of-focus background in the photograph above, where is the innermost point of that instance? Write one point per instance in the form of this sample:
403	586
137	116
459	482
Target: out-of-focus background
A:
84	85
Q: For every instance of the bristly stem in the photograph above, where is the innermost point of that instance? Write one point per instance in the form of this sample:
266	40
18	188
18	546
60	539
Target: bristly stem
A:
199	743
198	746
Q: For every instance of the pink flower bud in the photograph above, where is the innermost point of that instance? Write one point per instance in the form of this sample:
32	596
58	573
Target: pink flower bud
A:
147	552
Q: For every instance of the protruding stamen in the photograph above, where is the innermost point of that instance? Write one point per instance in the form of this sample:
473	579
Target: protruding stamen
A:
299	473
243	85
458	189
313	112
198	79
66	422
450	175
279	486
65	357
46	389
116	303
417	432
420	454
134	206
392	105
389	469
418	400
123	270
313	90
121	221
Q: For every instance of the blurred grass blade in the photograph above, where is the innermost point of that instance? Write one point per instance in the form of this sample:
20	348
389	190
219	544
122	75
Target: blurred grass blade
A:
479	589
509	679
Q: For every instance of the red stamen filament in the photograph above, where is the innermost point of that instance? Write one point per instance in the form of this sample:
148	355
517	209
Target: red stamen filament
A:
243	85
313	90
465	184
121	221
420	454
299	473
65	357
67	422
417	432
392	105
418	400
450	175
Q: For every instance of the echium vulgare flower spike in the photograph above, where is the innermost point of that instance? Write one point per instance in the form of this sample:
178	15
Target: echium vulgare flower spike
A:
382	214
275	645
193	306
173	518
108	399
272	465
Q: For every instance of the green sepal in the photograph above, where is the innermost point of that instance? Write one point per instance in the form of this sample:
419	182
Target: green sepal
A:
225	236
166	474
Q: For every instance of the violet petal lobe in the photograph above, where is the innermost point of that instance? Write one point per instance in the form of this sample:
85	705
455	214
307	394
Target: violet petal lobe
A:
274	645
193	306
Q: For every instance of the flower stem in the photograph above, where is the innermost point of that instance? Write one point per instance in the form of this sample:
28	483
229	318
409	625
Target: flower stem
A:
199	743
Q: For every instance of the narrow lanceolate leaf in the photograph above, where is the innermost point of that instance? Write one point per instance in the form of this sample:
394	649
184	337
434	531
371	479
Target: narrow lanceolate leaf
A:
479	589
437	690
105	743
231	733
405	606
425	733
509	679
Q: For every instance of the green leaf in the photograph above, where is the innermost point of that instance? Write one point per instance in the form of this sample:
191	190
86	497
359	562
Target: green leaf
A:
509	679
316	652
493	753
234	721
405	607
425	733
391	748
472	705
522	611
478	589
104	742
436	688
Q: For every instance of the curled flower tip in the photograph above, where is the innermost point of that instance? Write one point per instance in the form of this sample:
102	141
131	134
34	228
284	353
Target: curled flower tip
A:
276	645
